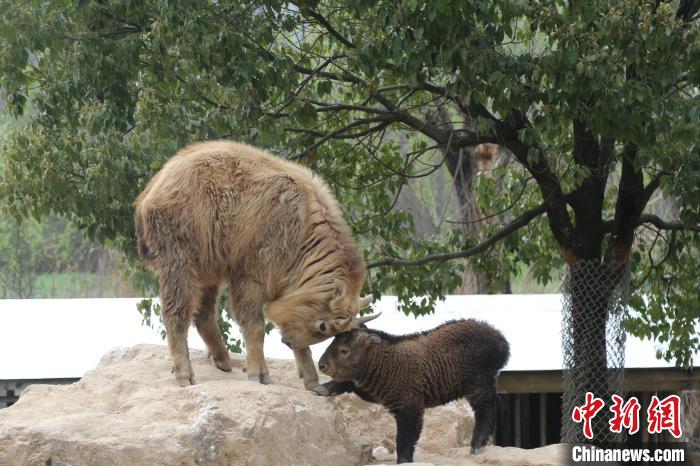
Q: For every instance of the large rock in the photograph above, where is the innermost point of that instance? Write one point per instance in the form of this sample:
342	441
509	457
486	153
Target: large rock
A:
129	410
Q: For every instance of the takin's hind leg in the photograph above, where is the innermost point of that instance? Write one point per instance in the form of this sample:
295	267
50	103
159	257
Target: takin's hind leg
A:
307	371
205	321
178	299
485	406
247	308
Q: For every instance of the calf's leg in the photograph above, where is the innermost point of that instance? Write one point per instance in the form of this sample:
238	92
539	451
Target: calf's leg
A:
333	388
485	406
409	422
205	321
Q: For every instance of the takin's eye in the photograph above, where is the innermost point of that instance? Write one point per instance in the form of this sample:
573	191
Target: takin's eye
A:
320	327
344	352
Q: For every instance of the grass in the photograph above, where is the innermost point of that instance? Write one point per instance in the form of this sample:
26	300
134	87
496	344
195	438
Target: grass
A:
79	285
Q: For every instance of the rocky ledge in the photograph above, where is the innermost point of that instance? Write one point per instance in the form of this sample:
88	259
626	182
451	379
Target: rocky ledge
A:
128	410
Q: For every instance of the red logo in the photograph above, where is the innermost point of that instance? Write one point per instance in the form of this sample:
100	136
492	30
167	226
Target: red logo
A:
587	412
661	414
665	415
625	415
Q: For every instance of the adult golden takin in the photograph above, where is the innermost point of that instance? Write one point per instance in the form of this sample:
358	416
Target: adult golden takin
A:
223	211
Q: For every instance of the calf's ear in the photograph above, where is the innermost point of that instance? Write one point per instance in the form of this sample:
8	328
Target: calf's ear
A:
368	338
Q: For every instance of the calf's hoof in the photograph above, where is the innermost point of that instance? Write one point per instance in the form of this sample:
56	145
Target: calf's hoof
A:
320	390
477	450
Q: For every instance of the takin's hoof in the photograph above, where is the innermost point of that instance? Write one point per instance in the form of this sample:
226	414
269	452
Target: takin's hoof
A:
183	380
476	451
263	378
186	381
320	390
222	363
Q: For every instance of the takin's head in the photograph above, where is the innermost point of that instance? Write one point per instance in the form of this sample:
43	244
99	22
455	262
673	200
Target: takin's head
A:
307	319
347	354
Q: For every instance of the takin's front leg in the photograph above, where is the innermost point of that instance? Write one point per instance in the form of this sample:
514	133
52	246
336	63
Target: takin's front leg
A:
334	388
409	422
247	306
307	371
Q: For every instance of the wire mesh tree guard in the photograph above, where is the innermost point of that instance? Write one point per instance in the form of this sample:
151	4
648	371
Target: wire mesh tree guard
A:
594	308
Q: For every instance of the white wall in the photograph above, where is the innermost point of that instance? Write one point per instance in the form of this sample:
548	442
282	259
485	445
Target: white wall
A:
66	337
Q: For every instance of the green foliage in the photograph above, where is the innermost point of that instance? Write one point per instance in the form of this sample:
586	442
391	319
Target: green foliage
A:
666	300
117	87
18	259
34	256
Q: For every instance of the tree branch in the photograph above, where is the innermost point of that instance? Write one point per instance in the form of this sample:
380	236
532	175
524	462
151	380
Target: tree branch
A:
629	206
532	157
632	198
320	134
505	134
666	225
339	133
510	228
342	77
326	24
301	86
653	185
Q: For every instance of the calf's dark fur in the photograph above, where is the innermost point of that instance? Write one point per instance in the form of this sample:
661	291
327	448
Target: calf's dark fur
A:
409	373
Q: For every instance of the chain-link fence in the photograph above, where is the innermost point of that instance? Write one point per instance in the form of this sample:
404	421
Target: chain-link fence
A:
594	306
690	419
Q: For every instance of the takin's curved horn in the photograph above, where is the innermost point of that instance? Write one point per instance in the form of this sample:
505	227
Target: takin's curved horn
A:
360	321
365	301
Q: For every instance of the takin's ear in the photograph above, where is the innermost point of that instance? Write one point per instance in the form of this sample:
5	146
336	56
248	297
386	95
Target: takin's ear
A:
340	324
340	288
365	301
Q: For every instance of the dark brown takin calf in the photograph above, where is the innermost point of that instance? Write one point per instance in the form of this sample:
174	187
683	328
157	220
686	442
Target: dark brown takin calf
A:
409	373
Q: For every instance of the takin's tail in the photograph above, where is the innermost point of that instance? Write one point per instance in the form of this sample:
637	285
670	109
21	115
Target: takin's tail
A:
144	252
502	353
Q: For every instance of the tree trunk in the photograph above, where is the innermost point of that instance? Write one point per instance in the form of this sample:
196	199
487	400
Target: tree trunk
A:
462	167
595	295
596	286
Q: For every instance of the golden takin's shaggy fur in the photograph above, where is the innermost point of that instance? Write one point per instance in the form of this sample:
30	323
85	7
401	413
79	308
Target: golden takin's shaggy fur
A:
226	211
